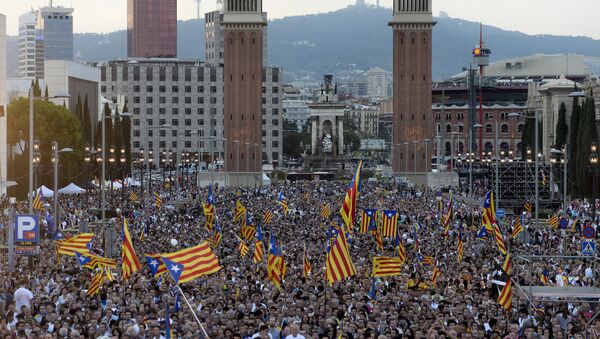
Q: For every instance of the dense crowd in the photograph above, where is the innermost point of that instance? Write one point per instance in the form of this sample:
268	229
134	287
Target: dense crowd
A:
46	298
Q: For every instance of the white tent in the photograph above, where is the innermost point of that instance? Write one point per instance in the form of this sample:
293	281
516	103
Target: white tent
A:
132	182
46	192
116	185
265	179
71	189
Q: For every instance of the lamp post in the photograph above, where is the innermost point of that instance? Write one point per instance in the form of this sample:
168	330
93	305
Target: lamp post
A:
31	155
236	143
396	157
406	159
142	163
55	158
594	164
415	156
560	157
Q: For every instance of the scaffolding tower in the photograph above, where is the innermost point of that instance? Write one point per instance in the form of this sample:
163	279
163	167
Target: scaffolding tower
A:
517	185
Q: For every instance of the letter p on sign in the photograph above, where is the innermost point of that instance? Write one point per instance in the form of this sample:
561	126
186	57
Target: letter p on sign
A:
27	228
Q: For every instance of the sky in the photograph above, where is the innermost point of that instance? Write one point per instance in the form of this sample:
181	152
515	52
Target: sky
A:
559	17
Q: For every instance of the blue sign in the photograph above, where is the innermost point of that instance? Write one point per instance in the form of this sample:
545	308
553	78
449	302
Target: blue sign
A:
588	247
500	213
27	229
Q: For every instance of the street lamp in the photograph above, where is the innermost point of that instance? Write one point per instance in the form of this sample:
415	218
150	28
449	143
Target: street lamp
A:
31	125
594	164
557	157
55	159
537	156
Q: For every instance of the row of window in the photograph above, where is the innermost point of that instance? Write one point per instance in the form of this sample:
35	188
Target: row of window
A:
188	111
188	133
504	128
162	74
461	116
188	144
188	122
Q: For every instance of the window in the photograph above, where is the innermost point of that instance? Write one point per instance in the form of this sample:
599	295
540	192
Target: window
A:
149	89
275	143
149	100
188	100
136	100
275	89
275	101
175	111
488	128
461	128
136	144
200	89
148	73
103	89
461	116
213	89
162	74
275	133
149	111
504	128
136	88
275	122
520	128
200	100
150	133
188	74
188	89
162	100
162	110
162	144
174	100
200	122
174	144
174	133
149	122
136	73
488	116
162	121
188	111
188	122
162	89
174	74
175	122
188	144
213	100
438	117
136	110
275	111
136	133
200	111
448	128
175	89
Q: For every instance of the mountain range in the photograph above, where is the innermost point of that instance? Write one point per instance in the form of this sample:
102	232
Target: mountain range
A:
346	43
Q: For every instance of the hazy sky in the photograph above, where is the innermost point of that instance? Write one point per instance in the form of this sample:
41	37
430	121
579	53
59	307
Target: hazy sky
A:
573	17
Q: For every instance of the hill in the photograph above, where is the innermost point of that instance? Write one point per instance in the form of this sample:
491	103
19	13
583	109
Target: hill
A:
345	42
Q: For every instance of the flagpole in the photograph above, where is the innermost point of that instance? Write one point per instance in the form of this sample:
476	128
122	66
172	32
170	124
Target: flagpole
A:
192	310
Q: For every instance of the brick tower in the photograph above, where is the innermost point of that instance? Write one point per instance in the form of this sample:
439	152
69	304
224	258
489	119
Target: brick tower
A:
412	24
244	24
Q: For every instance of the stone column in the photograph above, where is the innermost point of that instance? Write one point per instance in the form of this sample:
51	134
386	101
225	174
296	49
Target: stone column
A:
314	136
340	136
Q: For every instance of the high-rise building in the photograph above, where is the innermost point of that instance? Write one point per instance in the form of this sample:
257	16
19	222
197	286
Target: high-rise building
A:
54	36
377	83
152	28
412	26
188	96
27	33
3	103
213	37
244	25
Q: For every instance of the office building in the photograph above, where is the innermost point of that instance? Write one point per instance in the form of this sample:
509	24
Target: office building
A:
412	26
54	36
295	106
366	119
152	28
214	37
27	34
377	84
188	96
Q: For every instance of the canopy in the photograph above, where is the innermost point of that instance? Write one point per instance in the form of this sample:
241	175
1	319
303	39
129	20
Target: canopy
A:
71	189
265	179
46	192
132	183
116	185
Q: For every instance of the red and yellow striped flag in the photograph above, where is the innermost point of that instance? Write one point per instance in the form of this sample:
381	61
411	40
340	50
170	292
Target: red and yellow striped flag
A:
387	266
325	210
197	261
243	248
435	275
306	269
95	284
505	297
130	264
518	228
78	243
348	210
499	239
339	265
506	265
259	252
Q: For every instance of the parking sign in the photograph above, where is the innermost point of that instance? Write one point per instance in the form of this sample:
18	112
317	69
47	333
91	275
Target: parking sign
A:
27	229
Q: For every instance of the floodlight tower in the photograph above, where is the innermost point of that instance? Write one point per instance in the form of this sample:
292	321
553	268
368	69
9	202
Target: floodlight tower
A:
481	58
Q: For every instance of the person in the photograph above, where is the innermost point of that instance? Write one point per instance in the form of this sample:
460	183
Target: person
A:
23	296
295	332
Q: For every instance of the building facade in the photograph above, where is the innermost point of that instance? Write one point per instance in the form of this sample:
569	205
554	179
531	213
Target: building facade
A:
377	84
54	36
152	28
295	106
27	34
188	96
78	80
412	26
366	120
214	37
243	24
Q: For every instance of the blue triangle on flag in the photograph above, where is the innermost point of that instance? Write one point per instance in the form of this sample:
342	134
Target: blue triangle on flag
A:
175	269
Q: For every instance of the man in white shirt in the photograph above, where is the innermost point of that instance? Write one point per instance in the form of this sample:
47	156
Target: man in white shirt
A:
23	296
295	333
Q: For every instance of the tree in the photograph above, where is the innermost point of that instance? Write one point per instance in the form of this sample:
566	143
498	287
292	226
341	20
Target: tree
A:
46	93
574	145
587	134
351	137
294	140
127	140
562	129
87	122
52	123
37	91
79	109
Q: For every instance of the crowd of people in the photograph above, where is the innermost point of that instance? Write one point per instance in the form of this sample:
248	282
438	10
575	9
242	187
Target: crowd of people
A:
46	297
